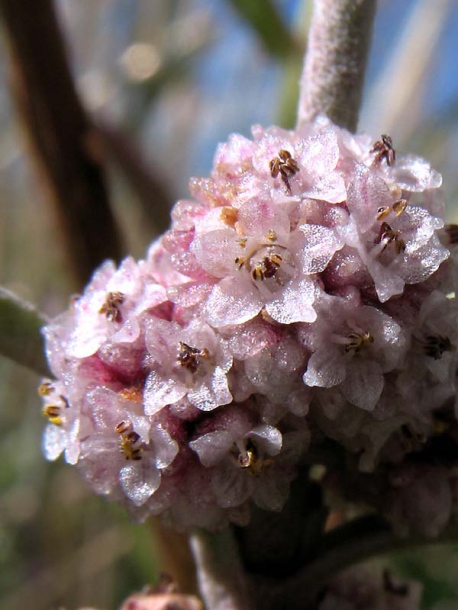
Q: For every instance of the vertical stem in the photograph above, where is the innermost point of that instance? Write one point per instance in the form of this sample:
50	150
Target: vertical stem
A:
220	573
333	76
65	146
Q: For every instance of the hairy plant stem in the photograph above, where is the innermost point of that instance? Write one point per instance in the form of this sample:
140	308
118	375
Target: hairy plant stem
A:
222	581
20	336
333	75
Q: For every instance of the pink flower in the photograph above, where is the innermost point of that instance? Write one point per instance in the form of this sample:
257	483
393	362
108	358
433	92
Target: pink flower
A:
303	295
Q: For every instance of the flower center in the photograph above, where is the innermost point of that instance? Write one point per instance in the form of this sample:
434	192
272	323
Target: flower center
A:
129	441
110	307
268	263
191	358
436	345
247	458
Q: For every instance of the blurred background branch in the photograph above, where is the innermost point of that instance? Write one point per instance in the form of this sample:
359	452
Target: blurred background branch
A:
20	336
65	146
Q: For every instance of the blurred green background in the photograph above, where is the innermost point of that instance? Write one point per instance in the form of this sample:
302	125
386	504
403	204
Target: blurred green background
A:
177	77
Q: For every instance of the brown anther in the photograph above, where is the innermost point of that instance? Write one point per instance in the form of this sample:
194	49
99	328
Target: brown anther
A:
45	389
383	212
284	165
229	215
436	345
191	357
399	206
110	308
123	427
357	341
53	413
242	242
267	267
239	261
387	235
383	149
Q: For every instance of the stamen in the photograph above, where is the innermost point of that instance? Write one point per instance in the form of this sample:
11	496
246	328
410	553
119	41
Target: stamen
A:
435	346
357	341
111	306
191	357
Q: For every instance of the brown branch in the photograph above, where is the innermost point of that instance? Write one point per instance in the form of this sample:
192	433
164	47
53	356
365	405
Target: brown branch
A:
151	195
65	147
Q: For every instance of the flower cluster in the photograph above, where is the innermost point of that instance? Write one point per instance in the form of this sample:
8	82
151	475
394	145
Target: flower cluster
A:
303	294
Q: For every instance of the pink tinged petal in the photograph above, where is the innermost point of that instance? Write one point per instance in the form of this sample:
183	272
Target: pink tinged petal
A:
87	338
219	385
267	438
231	485
293	303
325	369
415	174
330	188
153	295
205	398
215	251
258	217
363	384
160	391
139	480
54	442
367	193
165	447
212	447
421	264
319	154
232	302
388	282
189	293
320	245
128	332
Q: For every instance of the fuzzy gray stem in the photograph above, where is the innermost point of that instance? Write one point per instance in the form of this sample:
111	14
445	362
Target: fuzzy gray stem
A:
220	574
20	336
333	76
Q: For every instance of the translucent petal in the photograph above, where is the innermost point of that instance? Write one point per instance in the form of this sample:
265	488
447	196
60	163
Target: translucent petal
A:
232	302
161	391
325	368
212	447
363	384
54	442
139	481
293	303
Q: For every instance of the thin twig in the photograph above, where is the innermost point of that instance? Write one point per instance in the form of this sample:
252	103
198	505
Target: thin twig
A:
333	75
359	540
221	577
20	336
65	147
